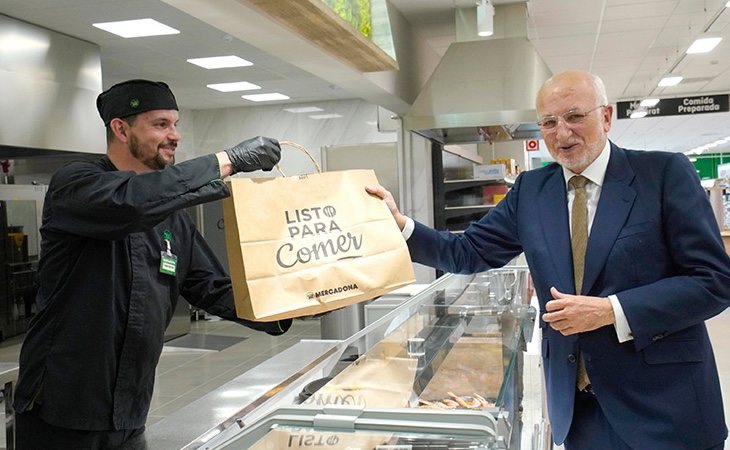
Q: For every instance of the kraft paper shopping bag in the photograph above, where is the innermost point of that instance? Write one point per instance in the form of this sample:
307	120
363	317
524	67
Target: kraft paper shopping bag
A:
303	245
307	438
370	382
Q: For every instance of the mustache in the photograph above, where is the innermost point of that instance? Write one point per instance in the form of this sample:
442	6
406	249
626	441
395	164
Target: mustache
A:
169	144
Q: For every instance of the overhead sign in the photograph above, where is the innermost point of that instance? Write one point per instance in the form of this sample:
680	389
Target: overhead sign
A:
680	106
723	171
532	145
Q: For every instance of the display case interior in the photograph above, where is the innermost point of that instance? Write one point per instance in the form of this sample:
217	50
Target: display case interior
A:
449	357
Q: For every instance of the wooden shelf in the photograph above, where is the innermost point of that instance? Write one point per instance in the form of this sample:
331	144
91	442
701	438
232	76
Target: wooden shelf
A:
318	24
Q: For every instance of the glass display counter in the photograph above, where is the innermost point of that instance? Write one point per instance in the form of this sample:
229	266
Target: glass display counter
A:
442	370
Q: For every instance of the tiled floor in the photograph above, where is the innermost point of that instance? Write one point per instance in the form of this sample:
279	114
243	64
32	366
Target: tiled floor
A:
186	374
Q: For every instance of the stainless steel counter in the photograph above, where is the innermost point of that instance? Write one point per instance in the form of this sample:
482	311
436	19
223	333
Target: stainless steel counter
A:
209	415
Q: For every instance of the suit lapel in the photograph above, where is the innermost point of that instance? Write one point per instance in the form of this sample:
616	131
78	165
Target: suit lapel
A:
617	199
553	218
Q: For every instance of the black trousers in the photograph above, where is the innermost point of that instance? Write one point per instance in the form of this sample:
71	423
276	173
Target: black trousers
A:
33	433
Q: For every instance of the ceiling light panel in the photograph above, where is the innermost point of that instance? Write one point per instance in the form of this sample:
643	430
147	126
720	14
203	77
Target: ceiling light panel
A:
220	62
649	102
265	97
303	109
671	80
324	116
703	45
234	87
136	28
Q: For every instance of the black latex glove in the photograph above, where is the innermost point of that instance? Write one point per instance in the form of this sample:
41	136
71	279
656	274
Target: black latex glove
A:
253	154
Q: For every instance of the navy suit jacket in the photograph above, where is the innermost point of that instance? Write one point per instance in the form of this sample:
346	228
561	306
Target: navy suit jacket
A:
655	244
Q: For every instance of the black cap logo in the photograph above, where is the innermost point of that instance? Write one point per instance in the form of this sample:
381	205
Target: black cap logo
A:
134	103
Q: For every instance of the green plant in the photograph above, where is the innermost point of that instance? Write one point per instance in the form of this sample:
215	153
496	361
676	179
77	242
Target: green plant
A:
354	12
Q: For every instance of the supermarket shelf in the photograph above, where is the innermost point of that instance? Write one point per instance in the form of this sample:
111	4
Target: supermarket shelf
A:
456	211
453	185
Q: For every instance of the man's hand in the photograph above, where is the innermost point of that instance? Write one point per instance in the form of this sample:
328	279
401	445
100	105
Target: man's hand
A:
259	153
385	195
571	314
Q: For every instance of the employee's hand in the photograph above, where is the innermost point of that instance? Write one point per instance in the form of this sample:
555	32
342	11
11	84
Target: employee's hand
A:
571	314
387	197
259	153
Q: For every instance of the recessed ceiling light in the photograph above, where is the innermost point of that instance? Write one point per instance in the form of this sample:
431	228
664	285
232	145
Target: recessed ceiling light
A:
265	97
638	114
220	62
136	28
234	87
303	109
649	102
671	80
325	116
703	45
727	5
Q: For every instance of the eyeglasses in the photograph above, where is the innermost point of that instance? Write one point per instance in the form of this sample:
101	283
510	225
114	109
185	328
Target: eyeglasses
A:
572	117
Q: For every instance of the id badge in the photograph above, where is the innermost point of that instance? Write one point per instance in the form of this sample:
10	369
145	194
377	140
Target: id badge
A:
168	263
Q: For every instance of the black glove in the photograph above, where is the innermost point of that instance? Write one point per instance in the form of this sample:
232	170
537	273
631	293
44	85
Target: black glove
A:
254	154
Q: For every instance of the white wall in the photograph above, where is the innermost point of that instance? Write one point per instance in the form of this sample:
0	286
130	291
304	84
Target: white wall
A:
418	202
215	130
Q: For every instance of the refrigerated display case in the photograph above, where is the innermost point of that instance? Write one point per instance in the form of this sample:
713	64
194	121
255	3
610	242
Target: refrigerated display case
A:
443	369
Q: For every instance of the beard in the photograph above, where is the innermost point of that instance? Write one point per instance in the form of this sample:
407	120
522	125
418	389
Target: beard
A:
578	161
154	162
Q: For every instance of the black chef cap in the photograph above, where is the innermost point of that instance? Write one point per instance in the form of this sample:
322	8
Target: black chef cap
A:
133	97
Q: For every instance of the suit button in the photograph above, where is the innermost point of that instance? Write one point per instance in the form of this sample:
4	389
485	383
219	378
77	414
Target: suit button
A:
571	358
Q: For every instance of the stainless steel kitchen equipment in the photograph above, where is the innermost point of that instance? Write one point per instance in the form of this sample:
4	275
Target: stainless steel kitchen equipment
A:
21	208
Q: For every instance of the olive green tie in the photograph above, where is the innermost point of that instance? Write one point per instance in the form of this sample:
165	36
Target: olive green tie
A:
579	241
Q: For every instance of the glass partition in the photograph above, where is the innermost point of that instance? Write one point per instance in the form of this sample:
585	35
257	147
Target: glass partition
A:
453	348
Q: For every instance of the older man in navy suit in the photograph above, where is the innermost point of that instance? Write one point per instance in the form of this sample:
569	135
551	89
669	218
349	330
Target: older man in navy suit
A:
627	263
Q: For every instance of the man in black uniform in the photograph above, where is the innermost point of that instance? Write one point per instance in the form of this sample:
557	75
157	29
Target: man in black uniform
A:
117	250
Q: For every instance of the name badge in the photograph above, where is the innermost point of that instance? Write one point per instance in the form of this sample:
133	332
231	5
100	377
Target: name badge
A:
168	261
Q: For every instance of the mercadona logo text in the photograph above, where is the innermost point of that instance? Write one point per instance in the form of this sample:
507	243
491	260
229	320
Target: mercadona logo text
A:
337	290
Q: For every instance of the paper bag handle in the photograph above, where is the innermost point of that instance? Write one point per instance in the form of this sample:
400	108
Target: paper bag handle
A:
298	147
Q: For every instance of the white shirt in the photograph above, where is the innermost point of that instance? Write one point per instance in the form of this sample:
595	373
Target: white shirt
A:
595	173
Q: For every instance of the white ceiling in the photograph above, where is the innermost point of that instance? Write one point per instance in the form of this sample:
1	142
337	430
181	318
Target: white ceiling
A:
631	44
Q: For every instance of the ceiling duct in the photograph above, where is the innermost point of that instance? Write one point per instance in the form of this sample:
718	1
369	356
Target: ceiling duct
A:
482	90
49	86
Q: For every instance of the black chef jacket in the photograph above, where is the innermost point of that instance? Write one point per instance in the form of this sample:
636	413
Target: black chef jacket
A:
89	356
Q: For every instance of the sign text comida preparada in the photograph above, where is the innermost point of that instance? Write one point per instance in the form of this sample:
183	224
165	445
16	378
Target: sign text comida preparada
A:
680	106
